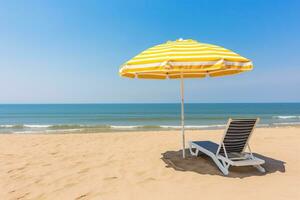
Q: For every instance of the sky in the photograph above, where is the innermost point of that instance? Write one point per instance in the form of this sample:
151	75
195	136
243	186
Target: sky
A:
59	51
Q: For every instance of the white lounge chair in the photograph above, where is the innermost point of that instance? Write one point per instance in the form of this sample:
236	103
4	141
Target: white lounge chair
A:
231	150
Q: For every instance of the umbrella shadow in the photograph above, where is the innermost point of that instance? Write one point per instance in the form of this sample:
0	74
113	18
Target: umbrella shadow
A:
204	165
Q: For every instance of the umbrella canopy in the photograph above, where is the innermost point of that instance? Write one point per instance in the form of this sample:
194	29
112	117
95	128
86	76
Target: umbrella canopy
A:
187	58
184	59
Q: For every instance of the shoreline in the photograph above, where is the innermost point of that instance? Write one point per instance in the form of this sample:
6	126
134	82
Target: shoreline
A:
114	129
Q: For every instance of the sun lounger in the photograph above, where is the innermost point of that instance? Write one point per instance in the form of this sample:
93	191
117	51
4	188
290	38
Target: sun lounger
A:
231	150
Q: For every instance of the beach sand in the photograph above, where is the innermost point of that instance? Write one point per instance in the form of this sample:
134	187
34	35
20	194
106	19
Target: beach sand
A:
143	165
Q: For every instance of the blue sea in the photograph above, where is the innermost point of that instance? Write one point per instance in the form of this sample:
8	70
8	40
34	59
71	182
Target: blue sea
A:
54	118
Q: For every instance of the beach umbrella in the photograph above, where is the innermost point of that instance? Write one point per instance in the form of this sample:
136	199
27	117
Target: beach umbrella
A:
182	59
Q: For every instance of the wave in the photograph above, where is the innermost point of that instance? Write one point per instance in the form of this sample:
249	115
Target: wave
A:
84	128
44	126
78	126
40	127
194	126
286	123
36	126
287	117
7	126
124	127
24	126
263	125
47	131
167	126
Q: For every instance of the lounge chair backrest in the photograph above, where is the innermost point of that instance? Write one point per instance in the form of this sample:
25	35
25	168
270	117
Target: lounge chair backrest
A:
237	135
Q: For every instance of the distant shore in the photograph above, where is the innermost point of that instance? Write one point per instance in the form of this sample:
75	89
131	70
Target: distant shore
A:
143	165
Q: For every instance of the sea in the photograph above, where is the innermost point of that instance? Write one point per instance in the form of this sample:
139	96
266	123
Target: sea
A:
67	118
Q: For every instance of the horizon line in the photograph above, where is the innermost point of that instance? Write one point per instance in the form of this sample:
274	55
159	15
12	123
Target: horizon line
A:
70	103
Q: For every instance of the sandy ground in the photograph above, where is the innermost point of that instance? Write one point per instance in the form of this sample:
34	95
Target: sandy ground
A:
143	165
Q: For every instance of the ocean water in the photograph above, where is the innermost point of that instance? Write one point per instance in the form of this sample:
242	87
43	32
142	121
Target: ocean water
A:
52	118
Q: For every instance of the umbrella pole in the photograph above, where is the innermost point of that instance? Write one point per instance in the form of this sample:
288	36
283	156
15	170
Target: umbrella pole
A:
182	115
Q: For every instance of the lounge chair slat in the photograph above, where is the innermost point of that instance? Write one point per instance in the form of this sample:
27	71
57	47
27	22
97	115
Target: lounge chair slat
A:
234	121
239	129
245	119
235	147
242	123
237	133
245	122
232	142
237	137
241	126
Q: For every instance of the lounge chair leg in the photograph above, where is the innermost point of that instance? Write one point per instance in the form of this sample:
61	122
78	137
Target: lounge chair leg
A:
222	167
193	152
260	168
197	152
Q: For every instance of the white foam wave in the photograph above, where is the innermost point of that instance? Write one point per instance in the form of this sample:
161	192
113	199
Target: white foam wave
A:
287	117
125	127
287	123
7	126
47	131
194	126
166	126
36	126
24	125
63	130
39	127
263	125
22	132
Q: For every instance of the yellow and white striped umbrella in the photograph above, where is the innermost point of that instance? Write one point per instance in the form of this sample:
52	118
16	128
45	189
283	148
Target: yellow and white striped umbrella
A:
185	58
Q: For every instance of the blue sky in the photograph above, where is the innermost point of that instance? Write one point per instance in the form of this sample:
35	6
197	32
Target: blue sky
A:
70	51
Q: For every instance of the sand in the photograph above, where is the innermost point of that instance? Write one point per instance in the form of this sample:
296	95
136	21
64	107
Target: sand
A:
143	165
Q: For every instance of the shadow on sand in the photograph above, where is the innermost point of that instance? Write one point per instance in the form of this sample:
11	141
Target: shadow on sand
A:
204	165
